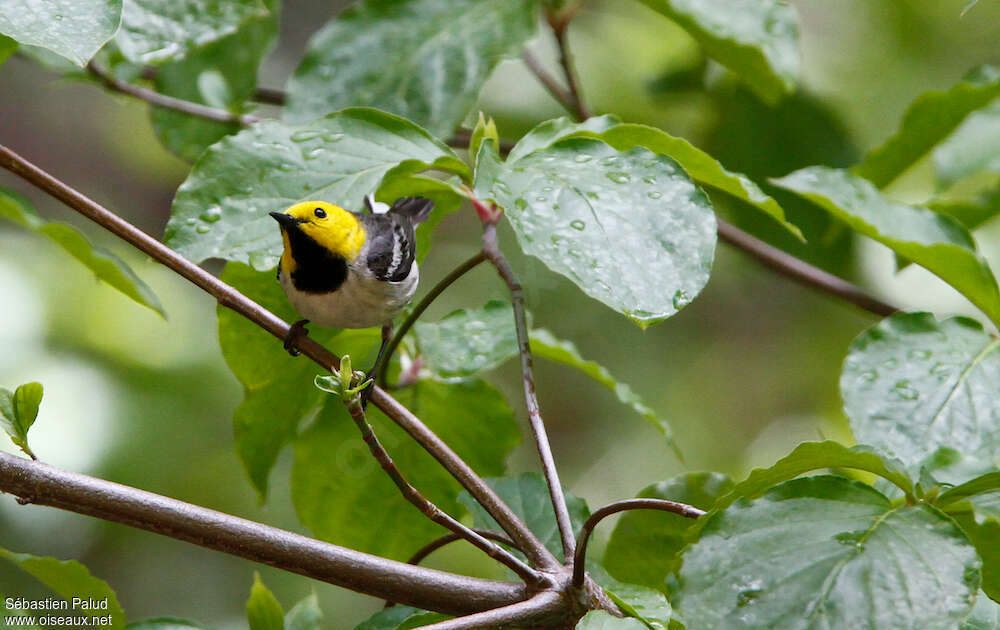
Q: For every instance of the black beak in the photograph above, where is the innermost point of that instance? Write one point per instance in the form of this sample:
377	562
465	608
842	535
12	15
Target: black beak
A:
287	220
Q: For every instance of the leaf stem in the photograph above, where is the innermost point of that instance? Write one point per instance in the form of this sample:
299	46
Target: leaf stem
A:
232	299
558	92
427	508
41	484
580	559
169	102
421	306
801	271
491	249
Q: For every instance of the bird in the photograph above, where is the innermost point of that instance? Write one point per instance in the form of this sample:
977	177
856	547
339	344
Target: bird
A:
349	270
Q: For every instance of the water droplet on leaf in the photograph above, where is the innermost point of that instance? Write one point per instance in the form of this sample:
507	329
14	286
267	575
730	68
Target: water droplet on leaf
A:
305	135
578	225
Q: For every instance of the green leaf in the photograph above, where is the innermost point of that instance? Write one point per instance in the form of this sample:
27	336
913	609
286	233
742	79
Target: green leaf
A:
400	618
985	615
984	536
18	412
970	212
221	210
603	620
305	615
7	47
987	484
700	166
222	74
71	580
973	147
528	495
931	240
644	545
468	341
425	60
105	265
155	31
263	610
648	605
166	623
278	388
74	29
628	227
545	345
810	456
757	40
336	483
928	121
827	552
912	385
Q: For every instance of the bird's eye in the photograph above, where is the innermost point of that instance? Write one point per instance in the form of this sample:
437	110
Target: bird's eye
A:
320	213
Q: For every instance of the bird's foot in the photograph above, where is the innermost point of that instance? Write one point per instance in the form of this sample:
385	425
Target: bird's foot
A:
295	334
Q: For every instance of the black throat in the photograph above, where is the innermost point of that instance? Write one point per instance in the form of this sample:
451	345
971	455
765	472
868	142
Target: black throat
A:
317	270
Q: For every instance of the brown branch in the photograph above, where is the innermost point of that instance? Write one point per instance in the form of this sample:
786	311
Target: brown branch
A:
491	248
447	539
421	306
162	100
801	271
580	559
428	509
575	102
524	614
232	299
558	92
38	483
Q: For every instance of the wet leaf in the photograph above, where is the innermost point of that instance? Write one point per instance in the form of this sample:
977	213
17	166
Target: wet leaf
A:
221	210
758	40
933	241
425	60
154	31
628	227
826	552
912	385
74	29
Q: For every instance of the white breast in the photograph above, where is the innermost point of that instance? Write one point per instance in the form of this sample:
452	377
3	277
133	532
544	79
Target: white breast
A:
361	302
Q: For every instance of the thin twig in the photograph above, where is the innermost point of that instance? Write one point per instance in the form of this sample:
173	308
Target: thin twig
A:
421	306
230	298
491	248
524	614
162	100
270	96
445	540
41	484
801	271
428	509
575	102
558	92
580	559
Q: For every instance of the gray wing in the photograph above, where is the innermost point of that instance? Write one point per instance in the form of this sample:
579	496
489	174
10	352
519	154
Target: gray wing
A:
392	246
392	241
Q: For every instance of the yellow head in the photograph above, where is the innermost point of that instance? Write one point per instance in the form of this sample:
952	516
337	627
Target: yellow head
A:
330	226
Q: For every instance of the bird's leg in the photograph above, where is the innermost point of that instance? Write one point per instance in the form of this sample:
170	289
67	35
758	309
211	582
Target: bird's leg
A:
373	373
295	332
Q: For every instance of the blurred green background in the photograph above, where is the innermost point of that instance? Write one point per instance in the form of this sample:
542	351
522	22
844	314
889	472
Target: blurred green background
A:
744	373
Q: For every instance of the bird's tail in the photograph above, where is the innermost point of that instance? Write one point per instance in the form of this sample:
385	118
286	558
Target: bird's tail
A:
415	208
